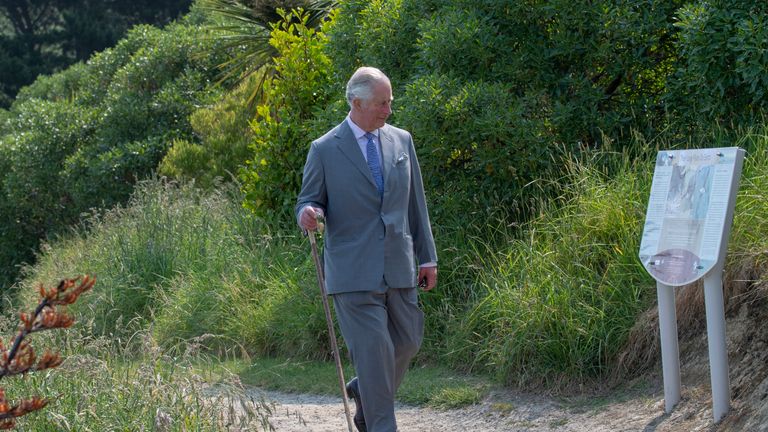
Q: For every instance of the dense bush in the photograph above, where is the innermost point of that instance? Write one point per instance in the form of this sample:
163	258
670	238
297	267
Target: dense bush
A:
721	74
224	134
146	105
81	139
34	198
487	164
493	91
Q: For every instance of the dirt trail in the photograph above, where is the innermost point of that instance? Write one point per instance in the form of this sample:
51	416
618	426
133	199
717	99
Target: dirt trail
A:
640	407
502	412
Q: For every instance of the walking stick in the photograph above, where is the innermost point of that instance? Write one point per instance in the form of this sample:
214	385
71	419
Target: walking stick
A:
329	321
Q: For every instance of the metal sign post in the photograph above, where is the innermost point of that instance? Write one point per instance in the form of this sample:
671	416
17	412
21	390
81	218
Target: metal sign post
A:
718	352
685	238
670	353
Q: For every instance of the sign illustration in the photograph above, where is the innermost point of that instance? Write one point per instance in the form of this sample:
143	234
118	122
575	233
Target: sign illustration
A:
687	212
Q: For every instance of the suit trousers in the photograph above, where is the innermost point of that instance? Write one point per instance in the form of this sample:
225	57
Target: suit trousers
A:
383	330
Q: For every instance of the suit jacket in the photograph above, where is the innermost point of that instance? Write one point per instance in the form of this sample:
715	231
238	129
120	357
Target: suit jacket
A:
367	237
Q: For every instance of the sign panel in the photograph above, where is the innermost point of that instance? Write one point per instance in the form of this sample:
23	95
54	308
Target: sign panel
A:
689	210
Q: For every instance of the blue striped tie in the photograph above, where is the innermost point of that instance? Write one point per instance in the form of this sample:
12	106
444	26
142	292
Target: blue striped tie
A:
373	163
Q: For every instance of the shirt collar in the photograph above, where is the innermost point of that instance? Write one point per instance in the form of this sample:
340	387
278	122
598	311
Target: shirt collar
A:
358	131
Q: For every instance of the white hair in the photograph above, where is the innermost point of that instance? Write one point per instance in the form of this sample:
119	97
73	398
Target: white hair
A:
360	85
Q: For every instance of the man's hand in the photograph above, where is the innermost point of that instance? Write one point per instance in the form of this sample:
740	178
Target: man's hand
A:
427	277
309	216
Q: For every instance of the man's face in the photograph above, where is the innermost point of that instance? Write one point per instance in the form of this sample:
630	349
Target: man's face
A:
372	114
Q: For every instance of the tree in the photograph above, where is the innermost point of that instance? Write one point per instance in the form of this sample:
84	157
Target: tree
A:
45	36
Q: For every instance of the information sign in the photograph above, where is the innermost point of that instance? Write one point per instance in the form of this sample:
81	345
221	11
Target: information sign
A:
684	234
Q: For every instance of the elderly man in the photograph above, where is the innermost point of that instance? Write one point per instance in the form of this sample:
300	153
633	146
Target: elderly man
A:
363	176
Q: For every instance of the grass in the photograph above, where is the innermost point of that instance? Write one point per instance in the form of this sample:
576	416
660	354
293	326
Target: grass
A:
104	387
185	265
557	300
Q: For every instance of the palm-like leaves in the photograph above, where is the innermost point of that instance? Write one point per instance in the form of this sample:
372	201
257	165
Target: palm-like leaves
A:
244	29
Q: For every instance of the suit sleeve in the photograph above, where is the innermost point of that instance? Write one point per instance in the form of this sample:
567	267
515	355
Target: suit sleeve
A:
313	188
418	215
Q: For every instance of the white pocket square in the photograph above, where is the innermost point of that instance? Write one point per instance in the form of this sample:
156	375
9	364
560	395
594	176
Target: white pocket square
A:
402	157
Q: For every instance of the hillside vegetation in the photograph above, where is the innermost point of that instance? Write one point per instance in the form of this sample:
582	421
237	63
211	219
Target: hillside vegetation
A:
536	126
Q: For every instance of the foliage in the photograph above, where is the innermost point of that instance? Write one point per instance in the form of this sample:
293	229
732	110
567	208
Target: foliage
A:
243	27
529	120
42	136
721	72
487	164
283	127
558	301
494	91
549	302
748	243
20	358
187	264
80	139
243	30
45	36
223	132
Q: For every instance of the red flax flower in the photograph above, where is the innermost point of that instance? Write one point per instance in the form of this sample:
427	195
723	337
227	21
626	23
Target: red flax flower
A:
21	357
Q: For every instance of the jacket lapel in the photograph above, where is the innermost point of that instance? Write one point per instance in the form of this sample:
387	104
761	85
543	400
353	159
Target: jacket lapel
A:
347	144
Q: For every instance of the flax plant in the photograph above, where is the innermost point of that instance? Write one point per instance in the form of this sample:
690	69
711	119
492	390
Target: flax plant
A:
20	358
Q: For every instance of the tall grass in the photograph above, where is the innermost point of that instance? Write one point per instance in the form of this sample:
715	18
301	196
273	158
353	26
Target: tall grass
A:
556	302
746	281
183	263
101	387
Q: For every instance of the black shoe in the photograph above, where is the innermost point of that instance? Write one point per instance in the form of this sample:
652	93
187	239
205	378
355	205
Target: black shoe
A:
354	392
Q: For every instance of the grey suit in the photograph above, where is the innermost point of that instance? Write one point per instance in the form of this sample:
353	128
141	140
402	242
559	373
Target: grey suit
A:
372	245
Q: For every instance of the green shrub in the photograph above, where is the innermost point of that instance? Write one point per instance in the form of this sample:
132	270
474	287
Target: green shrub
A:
721	71
62	86
495	92
224	134
283	128
147	104
507	146
82	138
467	31
34	200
